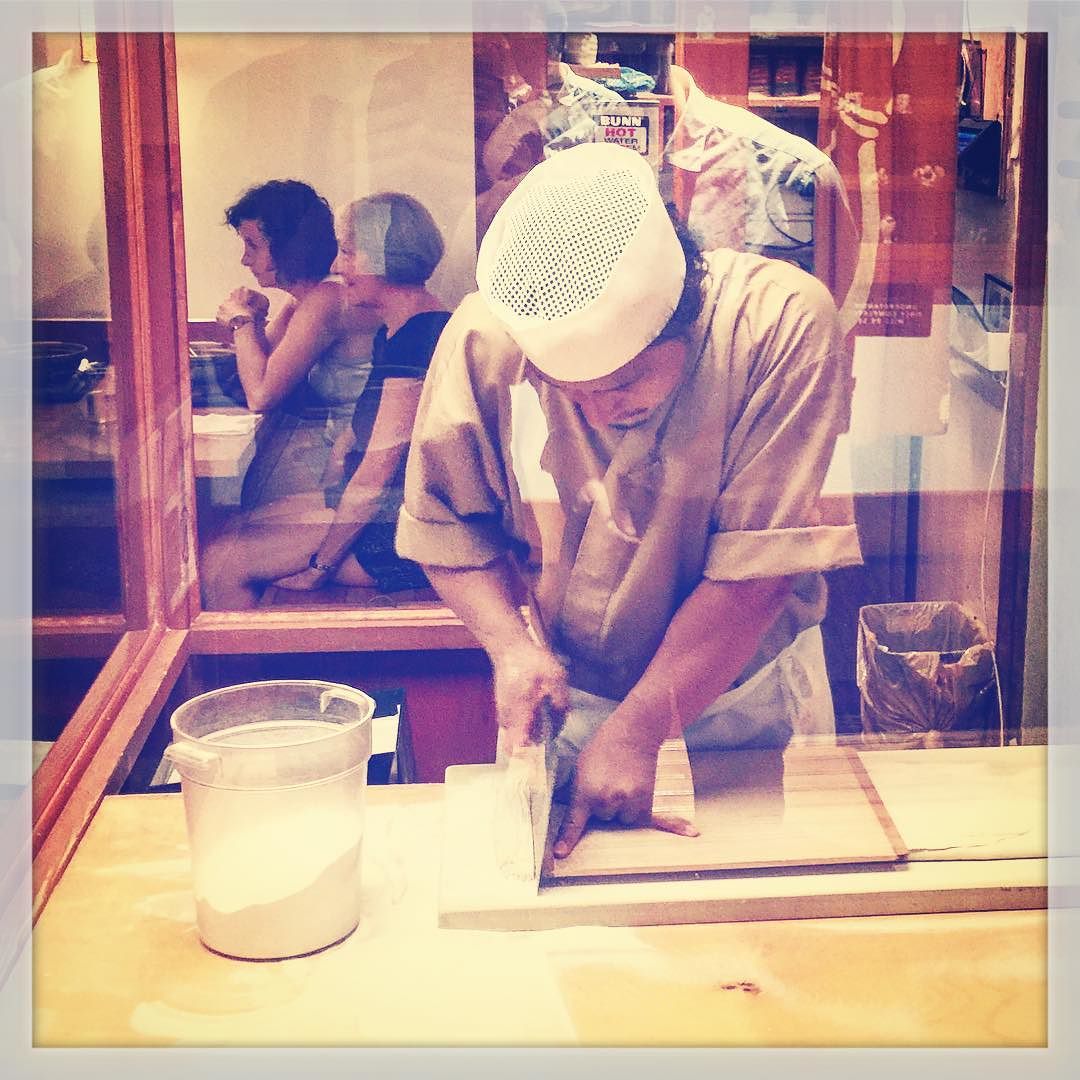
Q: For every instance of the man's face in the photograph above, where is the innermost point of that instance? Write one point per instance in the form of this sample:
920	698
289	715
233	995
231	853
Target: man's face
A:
631	394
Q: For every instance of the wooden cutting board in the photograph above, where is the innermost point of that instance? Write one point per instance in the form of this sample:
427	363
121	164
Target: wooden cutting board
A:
754	808
474	894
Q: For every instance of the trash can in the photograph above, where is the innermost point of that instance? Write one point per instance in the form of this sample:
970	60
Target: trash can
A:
926	676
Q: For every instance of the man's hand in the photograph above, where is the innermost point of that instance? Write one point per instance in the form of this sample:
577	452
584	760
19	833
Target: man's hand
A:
526	676
614	780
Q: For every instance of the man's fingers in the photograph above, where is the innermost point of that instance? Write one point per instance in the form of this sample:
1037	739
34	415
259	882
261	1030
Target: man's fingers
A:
573	827
670	823
575	822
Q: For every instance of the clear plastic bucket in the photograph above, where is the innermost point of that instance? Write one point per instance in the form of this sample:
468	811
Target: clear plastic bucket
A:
274	779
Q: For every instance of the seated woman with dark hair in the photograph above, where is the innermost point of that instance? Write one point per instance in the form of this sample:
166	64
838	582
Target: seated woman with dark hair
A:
389	247
311	360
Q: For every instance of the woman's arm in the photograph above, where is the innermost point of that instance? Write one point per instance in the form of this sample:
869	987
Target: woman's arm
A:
334	472
387	446
272	362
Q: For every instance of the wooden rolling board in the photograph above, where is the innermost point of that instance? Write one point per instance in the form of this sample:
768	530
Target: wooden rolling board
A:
473	894
1003	814
754	808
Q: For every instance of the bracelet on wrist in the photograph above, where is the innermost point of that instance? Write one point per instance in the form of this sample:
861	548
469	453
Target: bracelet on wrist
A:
323	568
241	320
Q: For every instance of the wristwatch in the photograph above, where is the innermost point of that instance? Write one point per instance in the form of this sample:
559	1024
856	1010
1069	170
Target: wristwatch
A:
240	320
314	563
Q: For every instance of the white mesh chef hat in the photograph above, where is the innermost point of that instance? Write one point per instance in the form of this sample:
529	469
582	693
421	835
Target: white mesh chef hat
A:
581	264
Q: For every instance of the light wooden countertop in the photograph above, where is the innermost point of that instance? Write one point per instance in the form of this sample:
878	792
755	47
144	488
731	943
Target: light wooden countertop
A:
68	446
117	962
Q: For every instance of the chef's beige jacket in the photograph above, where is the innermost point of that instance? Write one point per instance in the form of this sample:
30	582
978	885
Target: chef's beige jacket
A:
722	481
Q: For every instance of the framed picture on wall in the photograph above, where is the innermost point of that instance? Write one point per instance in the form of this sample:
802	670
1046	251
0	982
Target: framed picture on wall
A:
997	303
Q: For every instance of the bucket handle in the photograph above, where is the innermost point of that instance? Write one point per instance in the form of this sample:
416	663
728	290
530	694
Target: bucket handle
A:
194	762
354	697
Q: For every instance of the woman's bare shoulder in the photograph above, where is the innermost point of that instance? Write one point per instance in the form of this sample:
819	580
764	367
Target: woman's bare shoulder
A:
327	296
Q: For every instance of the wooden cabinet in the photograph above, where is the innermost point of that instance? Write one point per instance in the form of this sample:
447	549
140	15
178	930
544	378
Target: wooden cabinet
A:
777	76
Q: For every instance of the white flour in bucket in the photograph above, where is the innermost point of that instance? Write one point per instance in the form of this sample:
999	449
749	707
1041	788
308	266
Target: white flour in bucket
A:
292	925
279	886
274	779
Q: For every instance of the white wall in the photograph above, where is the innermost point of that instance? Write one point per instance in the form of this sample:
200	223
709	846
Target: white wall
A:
350	114
70	275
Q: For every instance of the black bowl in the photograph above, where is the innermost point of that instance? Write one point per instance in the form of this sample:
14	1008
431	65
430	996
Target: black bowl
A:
56	371
214	378
55	362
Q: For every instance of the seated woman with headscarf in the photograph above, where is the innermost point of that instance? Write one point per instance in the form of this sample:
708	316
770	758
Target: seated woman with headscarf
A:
307	364
388	248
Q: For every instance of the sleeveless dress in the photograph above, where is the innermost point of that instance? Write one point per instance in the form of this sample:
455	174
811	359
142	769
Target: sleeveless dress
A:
405	355
291	456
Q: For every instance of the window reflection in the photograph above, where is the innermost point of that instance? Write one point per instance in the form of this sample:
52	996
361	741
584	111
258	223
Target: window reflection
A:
455	123
76	568
77	594
339	529
367	114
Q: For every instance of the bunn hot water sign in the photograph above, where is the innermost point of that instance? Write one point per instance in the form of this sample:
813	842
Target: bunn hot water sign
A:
635	124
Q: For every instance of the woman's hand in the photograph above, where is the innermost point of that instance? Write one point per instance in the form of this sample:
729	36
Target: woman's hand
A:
305	581
243	301
528	677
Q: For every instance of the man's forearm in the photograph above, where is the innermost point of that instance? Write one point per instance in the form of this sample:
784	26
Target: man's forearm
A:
527	675
484	601
713	635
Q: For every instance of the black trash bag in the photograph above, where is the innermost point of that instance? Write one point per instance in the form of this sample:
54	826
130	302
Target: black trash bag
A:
923	670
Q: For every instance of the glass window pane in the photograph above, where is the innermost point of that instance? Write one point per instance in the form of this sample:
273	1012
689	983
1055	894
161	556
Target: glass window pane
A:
76	559
77	580
290	130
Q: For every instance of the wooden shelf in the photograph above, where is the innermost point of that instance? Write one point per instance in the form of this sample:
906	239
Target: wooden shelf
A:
665	100
793	103
788	40
596	71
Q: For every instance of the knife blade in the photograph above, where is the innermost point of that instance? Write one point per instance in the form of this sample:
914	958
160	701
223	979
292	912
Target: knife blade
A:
524	790
523	797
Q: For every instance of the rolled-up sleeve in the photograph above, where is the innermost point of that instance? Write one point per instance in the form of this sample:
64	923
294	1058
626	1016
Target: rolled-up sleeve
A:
457	495
767	519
